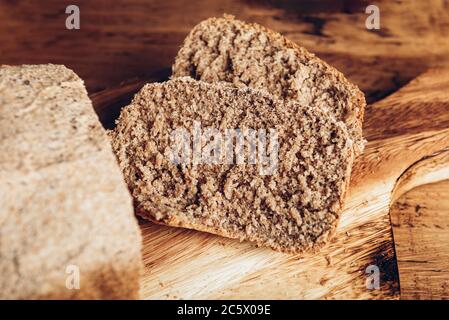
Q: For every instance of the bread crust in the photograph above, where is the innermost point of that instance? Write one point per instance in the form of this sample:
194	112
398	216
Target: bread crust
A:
65	212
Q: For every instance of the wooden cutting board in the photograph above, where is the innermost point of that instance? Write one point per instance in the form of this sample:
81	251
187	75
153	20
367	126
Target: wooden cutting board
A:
408	145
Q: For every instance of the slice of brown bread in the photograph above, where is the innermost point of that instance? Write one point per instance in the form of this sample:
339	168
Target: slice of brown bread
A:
226	49
64	207
292	209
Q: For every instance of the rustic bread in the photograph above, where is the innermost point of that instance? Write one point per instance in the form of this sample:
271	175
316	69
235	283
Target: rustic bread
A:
226	49
64	206
292	209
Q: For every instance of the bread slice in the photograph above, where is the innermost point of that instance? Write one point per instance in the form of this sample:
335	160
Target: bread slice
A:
66	216
226	49
293	208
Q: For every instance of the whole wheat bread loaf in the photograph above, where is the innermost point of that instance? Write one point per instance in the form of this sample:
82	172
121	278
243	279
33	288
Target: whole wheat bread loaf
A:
64	207
226	49
293	208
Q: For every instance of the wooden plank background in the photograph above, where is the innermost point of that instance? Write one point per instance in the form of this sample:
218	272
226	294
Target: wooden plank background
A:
121	40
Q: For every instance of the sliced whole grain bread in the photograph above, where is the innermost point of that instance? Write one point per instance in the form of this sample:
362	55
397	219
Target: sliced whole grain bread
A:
67	228
293	208
226	49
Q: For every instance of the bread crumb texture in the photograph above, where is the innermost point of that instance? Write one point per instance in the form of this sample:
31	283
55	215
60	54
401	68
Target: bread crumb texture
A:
294	210
226	49
66	216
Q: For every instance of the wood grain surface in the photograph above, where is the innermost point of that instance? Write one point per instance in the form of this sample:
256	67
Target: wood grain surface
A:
138	39
122	39
421	230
